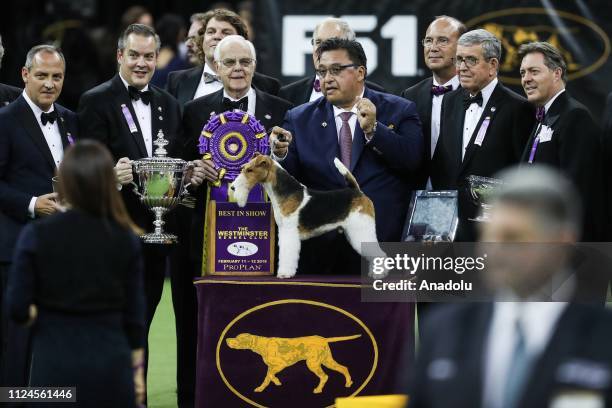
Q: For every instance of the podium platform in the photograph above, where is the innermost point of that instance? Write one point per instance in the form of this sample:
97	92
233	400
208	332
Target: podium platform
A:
301	342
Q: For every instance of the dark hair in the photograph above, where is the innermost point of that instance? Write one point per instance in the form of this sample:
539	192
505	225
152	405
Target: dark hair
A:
169	27
552	57
352	47
132	15
221	15
88	183
138	29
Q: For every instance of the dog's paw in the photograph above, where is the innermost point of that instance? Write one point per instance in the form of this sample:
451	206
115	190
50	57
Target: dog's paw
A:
348	384
285	274
259	389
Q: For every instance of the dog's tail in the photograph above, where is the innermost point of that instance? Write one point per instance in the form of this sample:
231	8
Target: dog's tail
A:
333	339
350	179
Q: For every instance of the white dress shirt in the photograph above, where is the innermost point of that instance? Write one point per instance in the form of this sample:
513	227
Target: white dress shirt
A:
538	321
207	88
252	100
53	138
473	114
143	116
352	120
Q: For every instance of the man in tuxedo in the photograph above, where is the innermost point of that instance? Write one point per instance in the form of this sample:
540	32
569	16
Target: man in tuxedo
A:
439	49
565	135
235	61
309	88
376	135
8	93
34	131
529	352
484	125
197	22
607	158
125	114
192	83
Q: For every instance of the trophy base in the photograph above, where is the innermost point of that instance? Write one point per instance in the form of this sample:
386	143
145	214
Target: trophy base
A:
159	238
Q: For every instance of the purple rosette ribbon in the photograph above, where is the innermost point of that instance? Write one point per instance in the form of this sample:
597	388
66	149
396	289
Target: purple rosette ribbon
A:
230	139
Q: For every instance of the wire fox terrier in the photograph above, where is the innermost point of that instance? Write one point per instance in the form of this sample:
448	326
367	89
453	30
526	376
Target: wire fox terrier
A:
301	213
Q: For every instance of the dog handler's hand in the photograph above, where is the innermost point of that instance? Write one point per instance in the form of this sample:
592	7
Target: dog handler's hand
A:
366	115
208	167
280	140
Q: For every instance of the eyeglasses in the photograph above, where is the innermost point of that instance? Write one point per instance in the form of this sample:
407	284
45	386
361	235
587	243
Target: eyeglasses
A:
469	61
231	62
429	42
334	70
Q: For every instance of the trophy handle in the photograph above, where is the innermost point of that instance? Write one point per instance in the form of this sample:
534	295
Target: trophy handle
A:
184	192
135	189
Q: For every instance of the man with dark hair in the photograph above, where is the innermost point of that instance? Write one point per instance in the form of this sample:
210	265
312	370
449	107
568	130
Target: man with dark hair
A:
565	135
199	81
484	125
376	135
439	49
8	93
34	131
535	344
309	88
126	114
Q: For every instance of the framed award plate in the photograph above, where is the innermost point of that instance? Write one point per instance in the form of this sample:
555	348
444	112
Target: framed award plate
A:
432	216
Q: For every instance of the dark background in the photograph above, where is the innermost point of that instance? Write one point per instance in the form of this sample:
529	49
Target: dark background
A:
87	31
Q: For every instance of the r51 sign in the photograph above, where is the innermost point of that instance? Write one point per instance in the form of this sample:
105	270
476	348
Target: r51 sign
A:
401	30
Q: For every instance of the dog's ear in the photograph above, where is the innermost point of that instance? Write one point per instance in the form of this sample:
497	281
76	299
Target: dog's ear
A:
263	162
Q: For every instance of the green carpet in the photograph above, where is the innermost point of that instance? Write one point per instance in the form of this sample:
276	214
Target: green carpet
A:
162	358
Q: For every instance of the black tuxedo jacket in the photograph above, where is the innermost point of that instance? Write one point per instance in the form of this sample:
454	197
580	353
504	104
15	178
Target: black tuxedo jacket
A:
298	92
454	338
8	94
101	118
183	84
511	119
607	158
575	149
269	110
26	166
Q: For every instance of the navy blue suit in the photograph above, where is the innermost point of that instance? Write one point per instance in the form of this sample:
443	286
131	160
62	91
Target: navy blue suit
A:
382	167
26	166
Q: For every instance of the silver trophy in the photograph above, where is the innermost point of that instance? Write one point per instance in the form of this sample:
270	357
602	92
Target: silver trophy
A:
480	190
160	187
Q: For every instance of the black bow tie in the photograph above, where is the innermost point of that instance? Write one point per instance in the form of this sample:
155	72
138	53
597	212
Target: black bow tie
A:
440	90
135	95
242	104
50	117
208	78
468	100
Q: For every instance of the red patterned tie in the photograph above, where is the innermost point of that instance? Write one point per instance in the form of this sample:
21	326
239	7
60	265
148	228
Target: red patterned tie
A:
346	139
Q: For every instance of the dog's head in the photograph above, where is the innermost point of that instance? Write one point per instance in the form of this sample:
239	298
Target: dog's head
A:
258	170
241	341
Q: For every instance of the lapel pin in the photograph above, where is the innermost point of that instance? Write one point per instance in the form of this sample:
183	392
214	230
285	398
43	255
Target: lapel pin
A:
161	118
267	116
62	118
324	124
391	126
159	108
492	108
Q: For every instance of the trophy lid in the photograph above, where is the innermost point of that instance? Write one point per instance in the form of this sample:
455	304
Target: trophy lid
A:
160	161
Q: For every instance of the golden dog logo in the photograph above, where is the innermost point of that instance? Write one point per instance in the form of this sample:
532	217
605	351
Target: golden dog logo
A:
279	353
583	44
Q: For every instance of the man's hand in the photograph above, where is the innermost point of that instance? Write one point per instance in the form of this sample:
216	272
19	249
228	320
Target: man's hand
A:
197	173
123	170
46	205
366	116
208	169
280	140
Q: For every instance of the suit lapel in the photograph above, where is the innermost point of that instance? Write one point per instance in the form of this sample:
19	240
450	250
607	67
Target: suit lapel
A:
122	100
61	124
359	136
187	92
424	100
307	89
265	113
325	126
30	123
